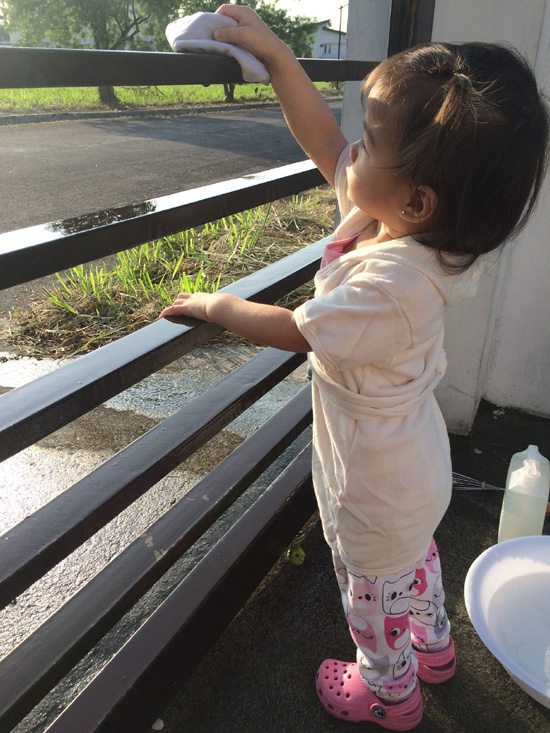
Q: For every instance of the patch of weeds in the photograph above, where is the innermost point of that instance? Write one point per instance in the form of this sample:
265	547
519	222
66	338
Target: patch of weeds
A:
90	306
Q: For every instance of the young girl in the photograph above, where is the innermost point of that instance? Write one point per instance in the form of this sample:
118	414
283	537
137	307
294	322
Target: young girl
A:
449	167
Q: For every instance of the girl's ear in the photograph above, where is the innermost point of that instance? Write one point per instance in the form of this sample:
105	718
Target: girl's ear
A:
421	206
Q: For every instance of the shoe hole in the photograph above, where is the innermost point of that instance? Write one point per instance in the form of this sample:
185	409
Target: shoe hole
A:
330	687
338	694
341	684
326	676
349	677
345	712
348	696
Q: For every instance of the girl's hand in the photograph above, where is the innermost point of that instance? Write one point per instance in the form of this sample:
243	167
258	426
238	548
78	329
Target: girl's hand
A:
193	305
264	324
252	34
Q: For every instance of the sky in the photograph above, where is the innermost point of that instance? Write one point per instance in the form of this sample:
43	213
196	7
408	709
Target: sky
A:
320	9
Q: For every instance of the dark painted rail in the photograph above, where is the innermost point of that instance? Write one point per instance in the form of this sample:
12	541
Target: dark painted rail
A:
192	618
40	661
145	672
50	534
30	253
52	67
33	411
38	408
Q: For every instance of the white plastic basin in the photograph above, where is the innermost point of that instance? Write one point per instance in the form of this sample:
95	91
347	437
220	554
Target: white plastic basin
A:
507	594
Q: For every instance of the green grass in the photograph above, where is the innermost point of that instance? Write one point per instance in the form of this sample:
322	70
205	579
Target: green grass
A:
84	98
89	306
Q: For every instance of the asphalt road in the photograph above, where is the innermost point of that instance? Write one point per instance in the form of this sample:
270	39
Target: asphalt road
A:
54	170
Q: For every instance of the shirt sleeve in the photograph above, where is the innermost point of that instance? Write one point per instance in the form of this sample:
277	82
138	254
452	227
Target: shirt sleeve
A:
357	323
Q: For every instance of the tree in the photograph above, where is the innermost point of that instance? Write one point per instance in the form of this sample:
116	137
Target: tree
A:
297	32
109	24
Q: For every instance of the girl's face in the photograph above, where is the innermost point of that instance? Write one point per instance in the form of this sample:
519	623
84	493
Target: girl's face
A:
374	183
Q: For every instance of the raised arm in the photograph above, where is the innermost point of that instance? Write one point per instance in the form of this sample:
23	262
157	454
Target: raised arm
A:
307	114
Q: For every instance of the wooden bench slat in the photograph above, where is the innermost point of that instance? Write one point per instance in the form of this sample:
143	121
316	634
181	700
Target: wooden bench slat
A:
170	644
33	252
37	409
43	658
51	533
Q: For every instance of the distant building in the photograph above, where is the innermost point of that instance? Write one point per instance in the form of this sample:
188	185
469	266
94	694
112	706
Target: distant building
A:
329	43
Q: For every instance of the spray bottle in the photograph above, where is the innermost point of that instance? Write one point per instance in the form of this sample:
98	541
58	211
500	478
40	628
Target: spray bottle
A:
526	495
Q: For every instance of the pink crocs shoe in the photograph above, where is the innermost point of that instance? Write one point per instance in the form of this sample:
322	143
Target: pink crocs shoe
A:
344	695
437	667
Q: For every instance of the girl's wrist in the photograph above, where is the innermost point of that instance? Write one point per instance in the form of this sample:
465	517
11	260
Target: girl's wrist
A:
281	61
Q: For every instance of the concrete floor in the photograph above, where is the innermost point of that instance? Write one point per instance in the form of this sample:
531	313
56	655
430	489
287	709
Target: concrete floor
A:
260	675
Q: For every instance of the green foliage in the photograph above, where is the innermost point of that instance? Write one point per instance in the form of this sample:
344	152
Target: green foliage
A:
296	32
109	24
117	24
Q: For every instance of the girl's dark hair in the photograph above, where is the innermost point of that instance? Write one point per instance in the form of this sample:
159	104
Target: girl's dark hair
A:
473	126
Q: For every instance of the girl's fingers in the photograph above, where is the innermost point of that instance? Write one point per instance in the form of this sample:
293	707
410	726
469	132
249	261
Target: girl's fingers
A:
172	310
186	304
235	11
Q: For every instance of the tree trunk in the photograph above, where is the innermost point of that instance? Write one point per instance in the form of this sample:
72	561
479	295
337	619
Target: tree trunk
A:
229	90
107	96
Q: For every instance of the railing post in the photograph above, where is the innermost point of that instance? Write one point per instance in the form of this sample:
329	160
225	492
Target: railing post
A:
411	22
377	29
367	34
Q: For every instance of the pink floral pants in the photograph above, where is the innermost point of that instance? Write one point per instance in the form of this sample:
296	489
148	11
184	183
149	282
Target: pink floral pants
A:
389	617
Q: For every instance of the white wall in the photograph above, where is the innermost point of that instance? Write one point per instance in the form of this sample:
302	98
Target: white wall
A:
498	344
514	311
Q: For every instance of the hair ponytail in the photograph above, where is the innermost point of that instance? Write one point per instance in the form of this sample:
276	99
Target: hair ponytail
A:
457	102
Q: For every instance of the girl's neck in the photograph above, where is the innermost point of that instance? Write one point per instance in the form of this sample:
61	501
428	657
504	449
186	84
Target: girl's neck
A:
377	233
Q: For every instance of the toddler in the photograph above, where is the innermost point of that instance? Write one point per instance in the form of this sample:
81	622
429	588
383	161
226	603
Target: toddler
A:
449	167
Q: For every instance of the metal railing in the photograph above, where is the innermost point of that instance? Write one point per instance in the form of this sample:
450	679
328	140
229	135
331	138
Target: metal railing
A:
31	412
